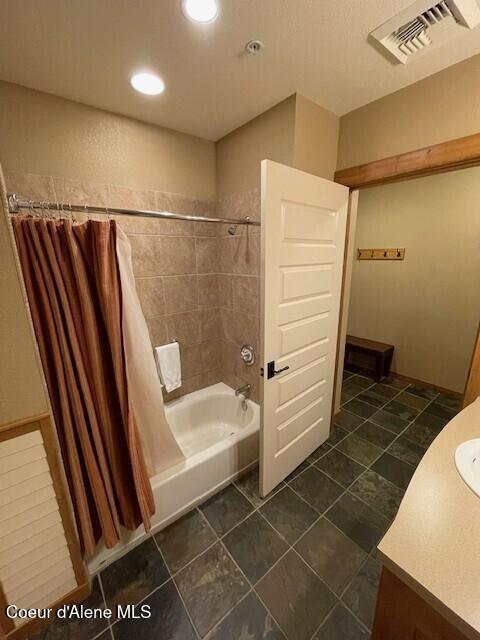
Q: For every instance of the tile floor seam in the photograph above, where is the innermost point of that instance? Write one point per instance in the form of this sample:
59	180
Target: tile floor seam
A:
207	548
178	590
401	433
382	408
102	591
217	624
288	549
343	453
384	451
337	598
252	585
157	588
291	547
100	634
249	583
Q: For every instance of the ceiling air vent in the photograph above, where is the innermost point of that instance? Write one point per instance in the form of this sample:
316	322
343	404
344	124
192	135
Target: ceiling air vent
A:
424	24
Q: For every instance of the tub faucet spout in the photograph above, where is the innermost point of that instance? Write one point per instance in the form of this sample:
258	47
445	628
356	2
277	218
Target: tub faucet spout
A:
243	391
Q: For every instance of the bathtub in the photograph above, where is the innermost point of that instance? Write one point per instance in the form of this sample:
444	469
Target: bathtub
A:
219	438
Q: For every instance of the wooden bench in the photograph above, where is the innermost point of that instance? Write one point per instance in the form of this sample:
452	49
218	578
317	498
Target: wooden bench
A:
383	353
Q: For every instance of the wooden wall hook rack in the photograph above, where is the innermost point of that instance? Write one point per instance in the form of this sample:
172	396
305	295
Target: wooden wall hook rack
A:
380	254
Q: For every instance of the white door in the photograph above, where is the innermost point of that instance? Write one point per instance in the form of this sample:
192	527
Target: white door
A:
303	238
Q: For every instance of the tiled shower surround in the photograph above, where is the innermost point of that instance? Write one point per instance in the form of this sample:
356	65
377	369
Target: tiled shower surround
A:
196	283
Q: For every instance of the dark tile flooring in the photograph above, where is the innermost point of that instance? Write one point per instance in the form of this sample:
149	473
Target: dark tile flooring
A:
298	565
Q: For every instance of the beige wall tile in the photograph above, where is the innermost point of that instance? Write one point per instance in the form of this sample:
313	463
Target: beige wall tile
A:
191	359
210	319
175	203
225	291
126	198
229	355
152	296
211	355
208	294
181	293
185	327
245	254
245	294
227	324
178	255
246	329
240	205
206	209
138	225
146	255
162	255
157	327
80	192
207	255
31	186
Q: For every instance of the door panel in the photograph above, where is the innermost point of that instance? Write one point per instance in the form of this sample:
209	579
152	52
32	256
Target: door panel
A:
303	237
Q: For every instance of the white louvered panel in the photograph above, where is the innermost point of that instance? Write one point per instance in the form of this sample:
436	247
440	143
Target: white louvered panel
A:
18	579
26	502
39	595
23	473
8	447
21	458
25	519
55	594
10	542
34	556
26	488
35	564
36	587
34	544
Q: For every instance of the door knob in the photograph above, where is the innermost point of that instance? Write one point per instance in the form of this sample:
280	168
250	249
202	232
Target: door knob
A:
271	372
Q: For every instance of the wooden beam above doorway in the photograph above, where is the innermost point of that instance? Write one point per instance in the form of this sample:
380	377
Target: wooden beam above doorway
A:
446	156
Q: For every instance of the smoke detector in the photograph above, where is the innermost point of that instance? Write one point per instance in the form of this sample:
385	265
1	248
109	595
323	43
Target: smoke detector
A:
253	47
423	24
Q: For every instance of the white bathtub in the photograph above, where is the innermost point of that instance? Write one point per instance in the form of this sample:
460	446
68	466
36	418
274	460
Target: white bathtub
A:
219	439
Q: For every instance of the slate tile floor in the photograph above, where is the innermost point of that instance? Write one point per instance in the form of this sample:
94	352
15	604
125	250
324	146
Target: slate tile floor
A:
297	565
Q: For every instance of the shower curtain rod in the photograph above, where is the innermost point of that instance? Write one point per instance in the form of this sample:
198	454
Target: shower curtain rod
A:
15	204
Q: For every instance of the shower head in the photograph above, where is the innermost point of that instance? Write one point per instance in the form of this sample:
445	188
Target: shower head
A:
232	230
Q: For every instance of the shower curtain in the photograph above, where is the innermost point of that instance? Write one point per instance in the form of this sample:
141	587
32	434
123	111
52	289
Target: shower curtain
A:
73	284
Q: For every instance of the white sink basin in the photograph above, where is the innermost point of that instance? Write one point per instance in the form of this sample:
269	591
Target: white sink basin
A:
467	461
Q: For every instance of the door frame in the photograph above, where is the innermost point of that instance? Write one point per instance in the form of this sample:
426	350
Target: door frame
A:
459	153
455	154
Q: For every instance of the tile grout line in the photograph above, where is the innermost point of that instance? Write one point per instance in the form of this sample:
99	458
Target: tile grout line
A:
249	583
102	591
292	547
194	627
289	546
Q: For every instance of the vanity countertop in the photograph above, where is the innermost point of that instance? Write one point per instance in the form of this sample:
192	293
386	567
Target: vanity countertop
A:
433	544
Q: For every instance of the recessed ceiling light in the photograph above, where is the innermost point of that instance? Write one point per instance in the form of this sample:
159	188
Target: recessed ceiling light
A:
200	10
147	83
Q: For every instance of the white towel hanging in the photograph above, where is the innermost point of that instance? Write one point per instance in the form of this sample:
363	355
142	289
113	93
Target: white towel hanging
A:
169	365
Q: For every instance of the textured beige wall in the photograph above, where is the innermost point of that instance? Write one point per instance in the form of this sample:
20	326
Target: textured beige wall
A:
428	305
270	135
439	108
316	138
43	134
296	132
21	386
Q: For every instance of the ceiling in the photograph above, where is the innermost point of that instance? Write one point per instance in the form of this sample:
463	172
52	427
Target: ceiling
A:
86	50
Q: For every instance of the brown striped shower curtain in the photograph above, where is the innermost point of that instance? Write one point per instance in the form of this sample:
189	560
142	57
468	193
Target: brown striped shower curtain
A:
73	284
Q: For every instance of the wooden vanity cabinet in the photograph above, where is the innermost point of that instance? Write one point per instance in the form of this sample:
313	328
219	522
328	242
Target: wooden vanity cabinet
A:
401	614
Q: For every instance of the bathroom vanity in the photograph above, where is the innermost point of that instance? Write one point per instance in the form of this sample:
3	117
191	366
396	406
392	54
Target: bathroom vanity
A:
430	583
